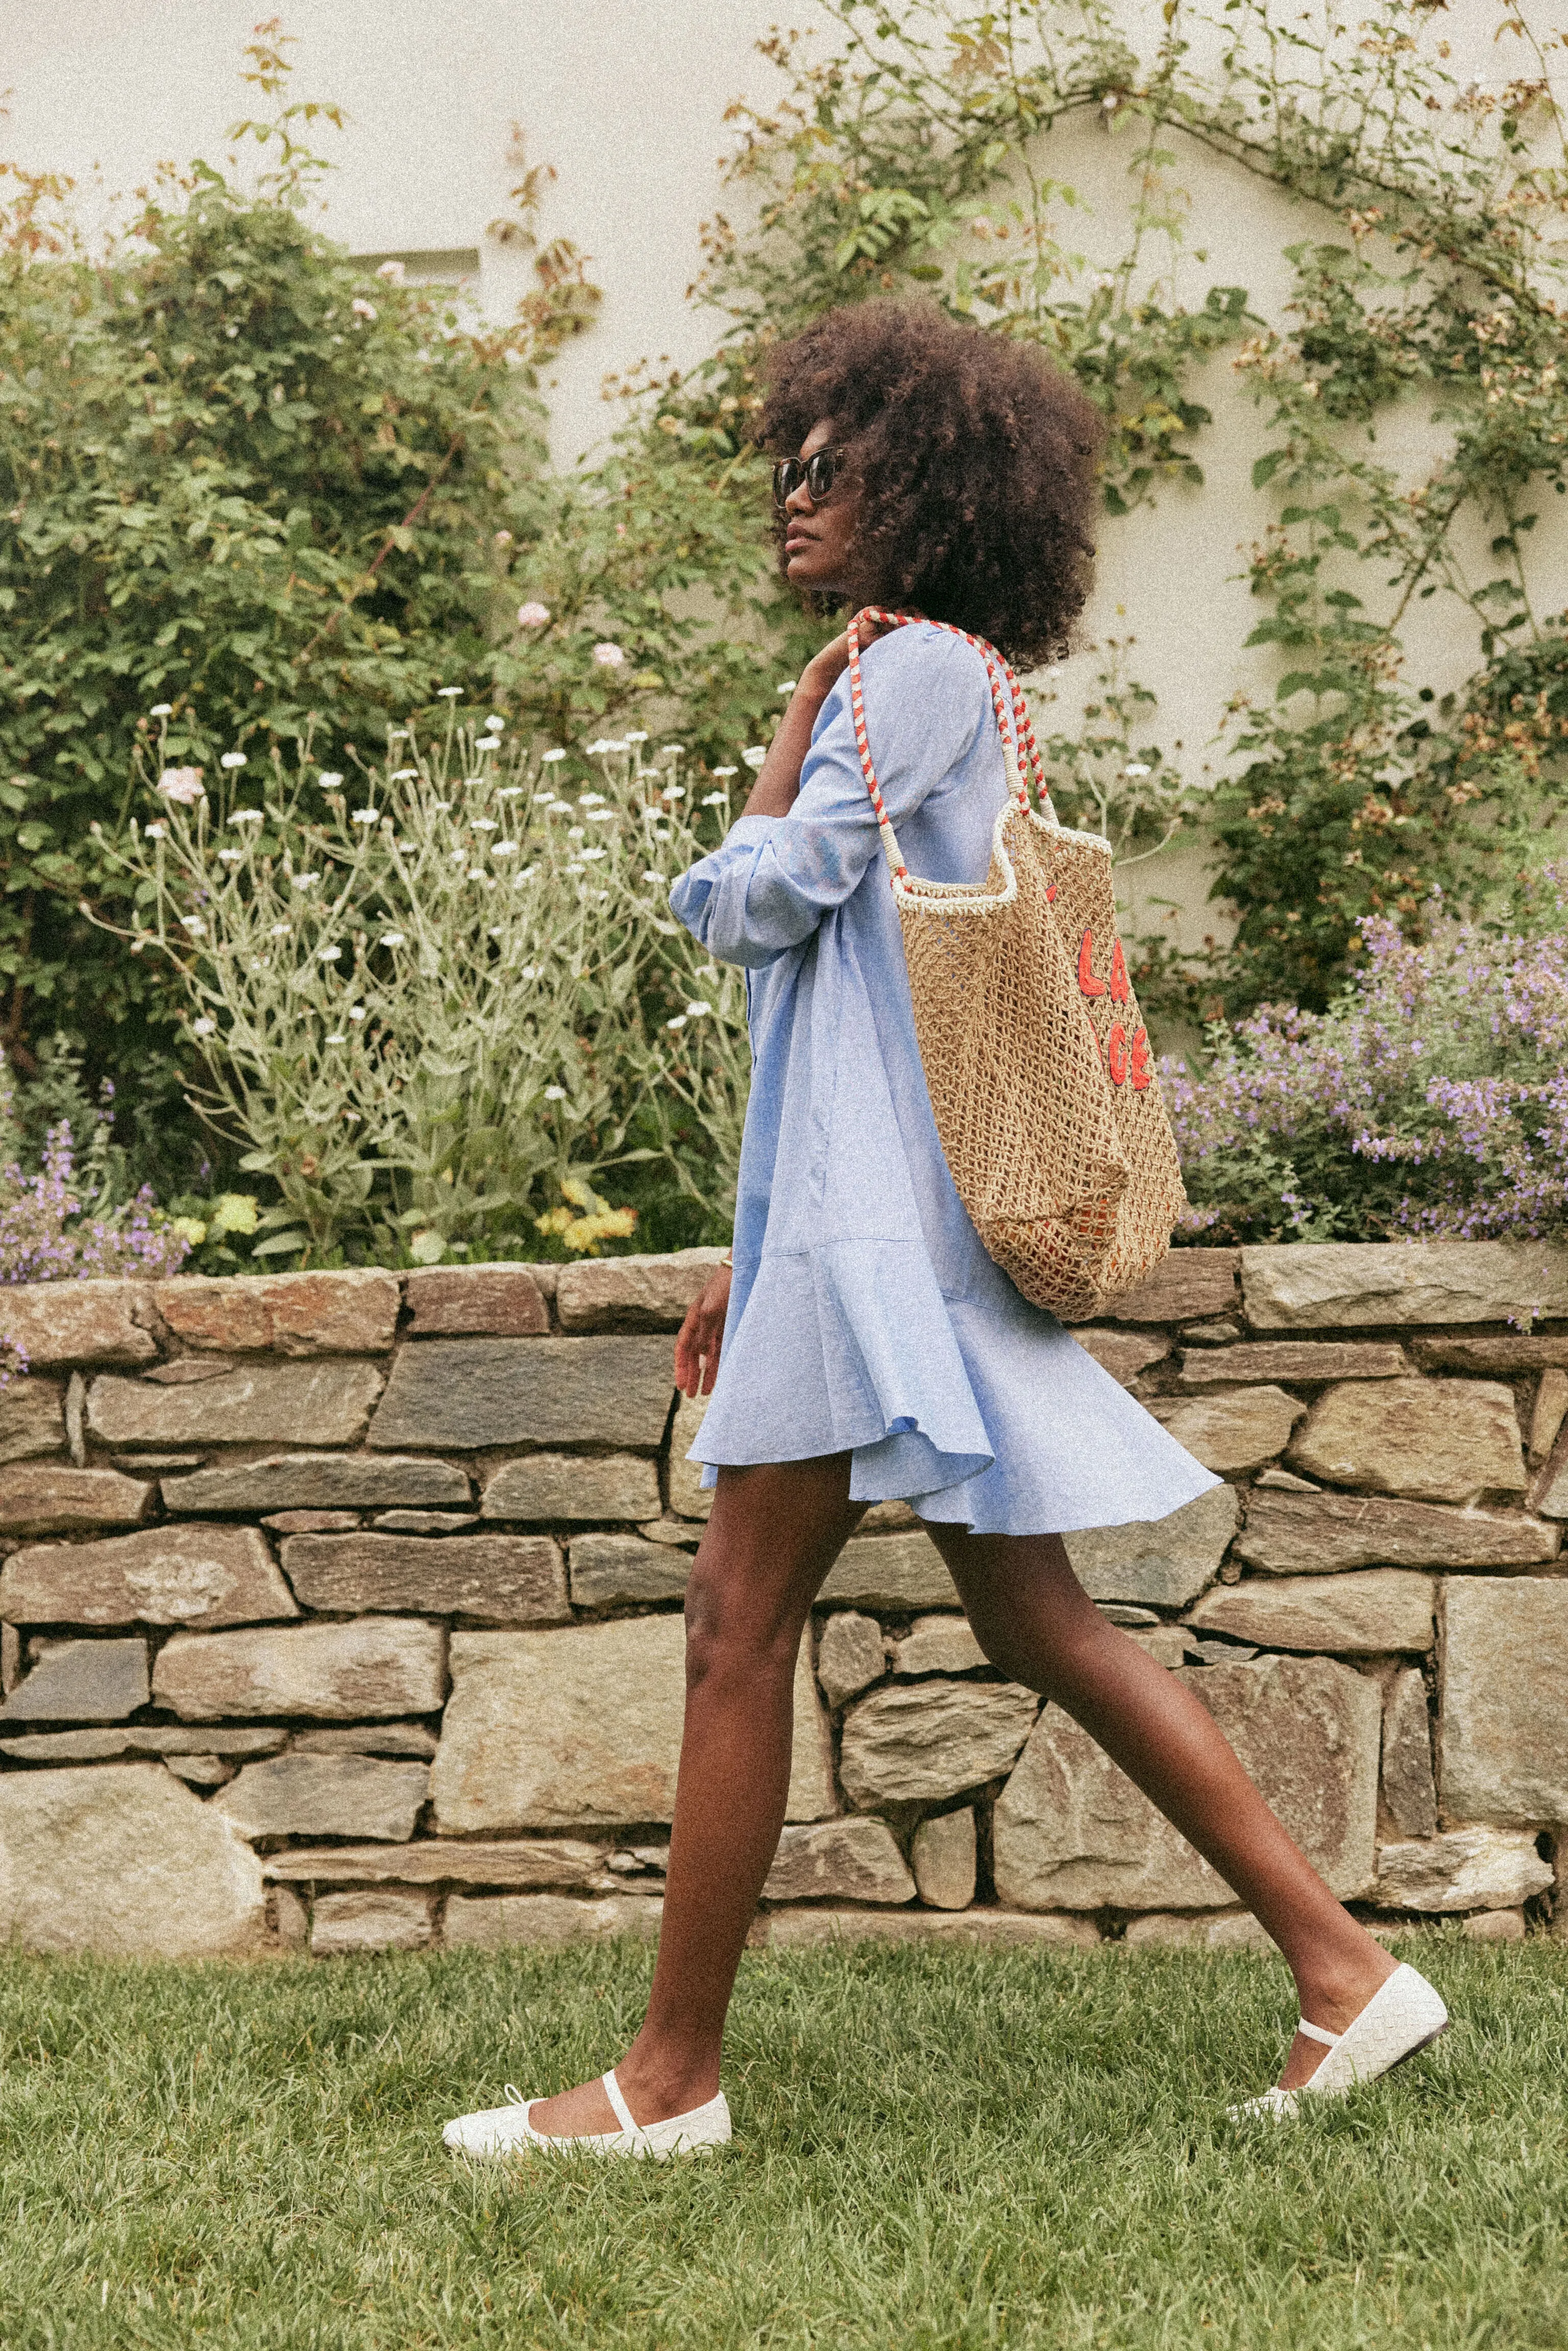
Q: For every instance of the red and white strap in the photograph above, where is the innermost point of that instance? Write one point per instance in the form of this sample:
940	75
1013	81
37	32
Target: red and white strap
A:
1028	759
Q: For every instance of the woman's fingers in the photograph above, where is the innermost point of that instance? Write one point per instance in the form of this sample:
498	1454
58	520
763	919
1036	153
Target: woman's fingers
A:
702	1336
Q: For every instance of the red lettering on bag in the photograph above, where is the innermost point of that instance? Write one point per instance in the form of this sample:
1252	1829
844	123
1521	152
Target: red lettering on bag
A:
1116	1054
1120	990
1087	982
1142	1072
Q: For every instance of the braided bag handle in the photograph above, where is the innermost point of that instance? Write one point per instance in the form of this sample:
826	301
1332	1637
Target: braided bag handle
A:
996	670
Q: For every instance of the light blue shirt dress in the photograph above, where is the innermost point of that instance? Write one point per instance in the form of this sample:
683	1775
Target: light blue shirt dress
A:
864	1315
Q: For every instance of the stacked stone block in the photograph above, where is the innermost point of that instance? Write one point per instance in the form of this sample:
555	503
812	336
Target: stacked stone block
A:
342	1611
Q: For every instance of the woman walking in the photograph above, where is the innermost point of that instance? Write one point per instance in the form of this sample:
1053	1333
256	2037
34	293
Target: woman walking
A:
863	1347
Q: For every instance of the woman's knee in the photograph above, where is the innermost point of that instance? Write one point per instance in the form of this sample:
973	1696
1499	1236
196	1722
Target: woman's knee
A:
734	1629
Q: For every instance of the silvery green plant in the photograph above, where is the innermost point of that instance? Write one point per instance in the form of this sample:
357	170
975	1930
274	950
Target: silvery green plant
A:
428	998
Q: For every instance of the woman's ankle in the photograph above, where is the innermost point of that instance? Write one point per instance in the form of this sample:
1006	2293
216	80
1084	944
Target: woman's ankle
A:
673	2077
1333	1983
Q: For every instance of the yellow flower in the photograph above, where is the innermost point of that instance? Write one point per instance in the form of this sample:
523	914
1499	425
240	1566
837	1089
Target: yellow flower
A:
189	1228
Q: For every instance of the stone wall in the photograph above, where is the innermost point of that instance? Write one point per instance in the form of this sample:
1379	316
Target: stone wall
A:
342	1611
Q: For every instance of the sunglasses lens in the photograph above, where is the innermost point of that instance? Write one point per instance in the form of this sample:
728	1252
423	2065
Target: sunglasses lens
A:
787	476
819	472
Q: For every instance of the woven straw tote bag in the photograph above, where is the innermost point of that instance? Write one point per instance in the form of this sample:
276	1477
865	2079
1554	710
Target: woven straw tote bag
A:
1036	1056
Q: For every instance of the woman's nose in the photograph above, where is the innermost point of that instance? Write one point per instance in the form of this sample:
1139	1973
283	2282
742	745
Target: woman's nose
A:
800	500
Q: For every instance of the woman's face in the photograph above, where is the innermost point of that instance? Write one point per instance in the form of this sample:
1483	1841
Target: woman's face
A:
819	541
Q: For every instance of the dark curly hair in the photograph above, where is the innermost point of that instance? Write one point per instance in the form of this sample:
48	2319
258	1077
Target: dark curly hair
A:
976	459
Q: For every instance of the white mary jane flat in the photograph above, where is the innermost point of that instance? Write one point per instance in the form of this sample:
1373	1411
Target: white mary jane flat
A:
1402	2016
497	2132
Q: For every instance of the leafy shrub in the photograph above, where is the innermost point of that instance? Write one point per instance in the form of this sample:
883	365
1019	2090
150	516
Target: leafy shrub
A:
64	1215
1430	1100
433	1007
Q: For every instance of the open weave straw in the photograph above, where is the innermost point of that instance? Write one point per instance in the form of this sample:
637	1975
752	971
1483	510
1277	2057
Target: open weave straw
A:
1036	1056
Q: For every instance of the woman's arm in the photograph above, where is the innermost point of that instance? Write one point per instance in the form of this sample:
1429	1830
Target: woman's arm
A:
776	874
779	778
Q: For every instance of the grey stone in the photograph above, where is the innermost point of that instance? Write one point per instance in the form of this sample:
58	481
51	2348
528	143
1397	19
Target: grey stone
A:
986	1930
1072	1832
1286	1482
348	1313
1362	1285
1503	1727
186	1368
1503	1355
323	1402
1546	1418
140	1738
367	1739
850	1655
938	1645
615	1570
1436	1440
376	1665
1550	1495
410	1522
563	1729
1467	1869
323	1523
121	1859
943	1856
929	1740
41	1499
1188	1284
890	1517
1169	1645
494	1301
327	1796
290	1919
1123	1354
59	1322
510	1579
343	1924
333	1481
155	1465
1495	1926
200	1770
1410	1790
10	1658
30	1419
469	1393
682	1534
1383	1609
633	1293
838	1861
1300	1362
573	1486
552	1865
1212	1334
689	1497
75	1418
1238	1429
82	1681
1289	1533
1163	1563
1201	1930
897	1573
164	1575
486	1922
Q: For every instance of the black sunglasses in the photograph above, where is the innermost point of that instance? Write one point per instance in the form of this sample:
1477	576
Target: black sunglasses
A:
817	473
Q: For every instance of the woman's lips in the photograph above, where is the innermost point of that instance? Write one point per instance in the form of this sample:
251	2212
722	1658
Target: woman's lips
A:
794	540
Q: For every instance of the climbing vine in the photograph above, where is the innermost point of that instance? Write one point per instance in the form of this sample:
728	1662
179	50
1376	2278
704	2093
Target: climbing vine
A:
923	151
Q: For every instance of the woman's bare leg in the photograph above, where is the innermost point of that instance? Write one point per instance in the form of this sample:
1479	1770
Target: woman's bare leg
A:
774	1532
1036	1623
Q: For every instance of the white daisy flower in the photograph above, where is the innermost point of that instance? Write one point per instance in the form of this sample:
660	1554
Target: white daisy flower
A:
233	759
555	1093
204	1027
395	938
367	816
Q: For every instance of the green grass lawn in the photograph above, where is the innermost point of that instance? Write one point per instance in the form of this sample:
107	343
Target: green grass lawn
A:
931	2148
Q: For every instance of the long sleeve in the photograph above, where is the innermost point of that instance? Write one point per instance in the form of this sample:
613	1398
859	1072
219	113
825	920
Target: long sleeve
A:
772	879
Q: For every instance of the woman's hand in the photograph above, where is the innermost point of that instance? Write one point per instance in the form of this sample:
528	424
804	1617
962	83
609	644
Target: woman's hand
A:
779	781
701	1335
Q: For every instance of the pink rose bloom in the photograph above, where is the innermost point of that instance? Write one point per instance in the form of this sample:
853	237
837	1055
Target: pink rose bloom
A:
609	656
182	784
534	616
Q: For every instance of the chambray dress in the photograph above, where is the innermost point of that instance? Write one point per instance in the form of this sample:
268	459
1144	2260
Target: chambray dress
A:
864	1315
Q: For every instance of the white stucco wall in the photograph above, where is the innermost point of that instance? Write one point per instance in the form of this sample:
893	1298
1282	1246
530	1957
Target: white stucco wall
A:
626	98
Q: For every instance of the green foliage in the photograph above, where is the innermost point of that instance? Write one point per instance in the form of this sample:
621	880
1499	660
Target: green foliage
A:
433	1003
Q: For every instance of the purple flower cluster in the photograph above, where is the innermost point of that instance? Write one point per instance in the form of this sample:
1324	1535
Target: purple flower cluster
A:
45	1237
1430	1102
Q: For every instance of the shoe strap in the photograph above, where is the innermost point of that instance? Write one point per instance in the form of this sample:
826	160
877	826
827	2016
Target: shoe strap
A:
1316	2032
624	2114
